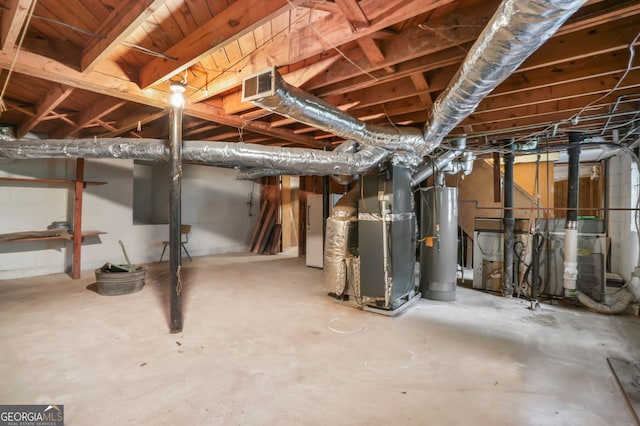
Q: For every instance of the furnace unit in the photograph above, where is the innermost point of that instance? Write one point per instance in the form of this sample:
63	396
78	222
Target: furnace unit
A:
387	239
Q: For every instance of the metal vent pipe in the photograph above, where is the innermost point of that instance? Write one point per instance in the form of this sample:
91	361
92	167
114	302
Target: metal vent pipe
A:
509	221
570	273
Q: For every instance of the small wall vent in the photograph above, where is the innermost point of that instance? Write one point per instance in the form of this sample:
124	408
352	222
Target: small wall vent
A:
259	85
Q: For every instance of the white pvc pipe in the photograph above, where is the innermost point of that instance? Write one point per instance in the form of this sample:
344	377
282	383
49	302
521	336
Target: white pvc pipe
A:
570	259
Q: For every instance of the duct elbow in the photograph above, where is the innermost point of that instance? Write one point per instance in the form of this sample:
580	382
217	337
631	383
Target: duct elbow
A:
468	159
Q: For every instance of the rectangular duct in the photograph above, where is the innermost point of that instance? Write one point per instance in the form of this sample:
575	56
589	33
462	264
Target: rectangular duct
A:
259	85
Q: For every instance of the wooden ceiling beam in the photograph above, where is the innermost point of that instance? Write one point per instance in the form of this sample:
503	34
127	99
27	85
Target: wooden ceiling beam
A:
122	22
13	20
106	125
421	85
335	31
225	137
327	6
545	120
527	111
89	116
232	23
433	61
414	42
53	98
584	43
522	104
354	14
38	66
198	130
566	72
556	111
54	48
14	105
343	77
598	17
373	53
130	123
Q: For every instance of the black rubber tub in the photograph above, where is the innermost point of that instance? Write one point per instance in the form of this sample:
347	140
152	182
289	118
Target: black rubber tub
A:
112	280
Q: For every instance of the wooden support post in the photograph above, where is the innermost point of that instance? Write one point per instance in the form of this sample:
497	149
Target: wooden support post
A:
77	219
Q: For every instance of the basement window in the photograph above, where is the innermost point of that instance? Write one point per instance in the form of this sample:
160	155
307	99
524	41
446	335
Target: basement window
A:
150	193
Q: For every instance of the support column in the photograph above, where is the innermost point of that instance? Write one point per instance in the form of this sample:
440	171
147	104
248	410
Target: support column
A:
570	274
175	219
507	284
77	219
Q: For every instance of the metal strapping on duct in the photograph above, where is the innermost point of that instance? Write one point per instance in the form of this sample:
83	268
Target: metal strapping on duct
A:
515	31
244	173
288	160
389	217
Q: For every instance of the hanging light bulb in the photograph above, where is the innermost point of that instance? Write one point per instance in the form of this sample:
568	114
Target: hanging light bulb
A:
177	95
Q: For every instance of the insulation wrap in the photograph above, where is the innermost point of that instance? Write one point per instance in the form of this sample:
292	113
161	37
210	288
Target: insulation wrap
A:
515	31
337	249
303	161
303	107
293	161
124	148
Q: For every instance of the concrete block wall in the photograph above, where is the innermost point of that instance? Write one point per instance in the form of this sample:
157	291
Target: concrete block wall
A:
216	205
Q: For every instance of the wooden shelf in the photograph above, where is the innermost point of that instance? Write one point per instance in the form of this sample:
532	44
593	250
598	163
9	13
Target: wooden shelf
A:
65	236
77	185
48	181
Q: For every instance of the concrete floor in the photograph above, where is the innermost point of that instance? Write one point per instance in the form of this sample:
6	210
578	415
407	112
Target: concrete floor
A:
258	349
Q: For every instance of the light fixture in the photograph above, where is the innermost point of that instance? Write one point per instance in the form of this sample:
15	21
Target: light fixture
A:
177	97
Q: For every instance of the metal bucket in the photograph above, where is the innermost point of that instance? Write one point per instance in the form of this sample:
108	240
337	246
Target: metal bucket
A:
114	283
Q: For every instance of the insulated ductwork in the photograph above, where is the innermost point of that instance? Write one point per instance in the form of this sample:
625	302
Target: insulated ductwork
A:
516	30
293	161
294	103
246	173
621	303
